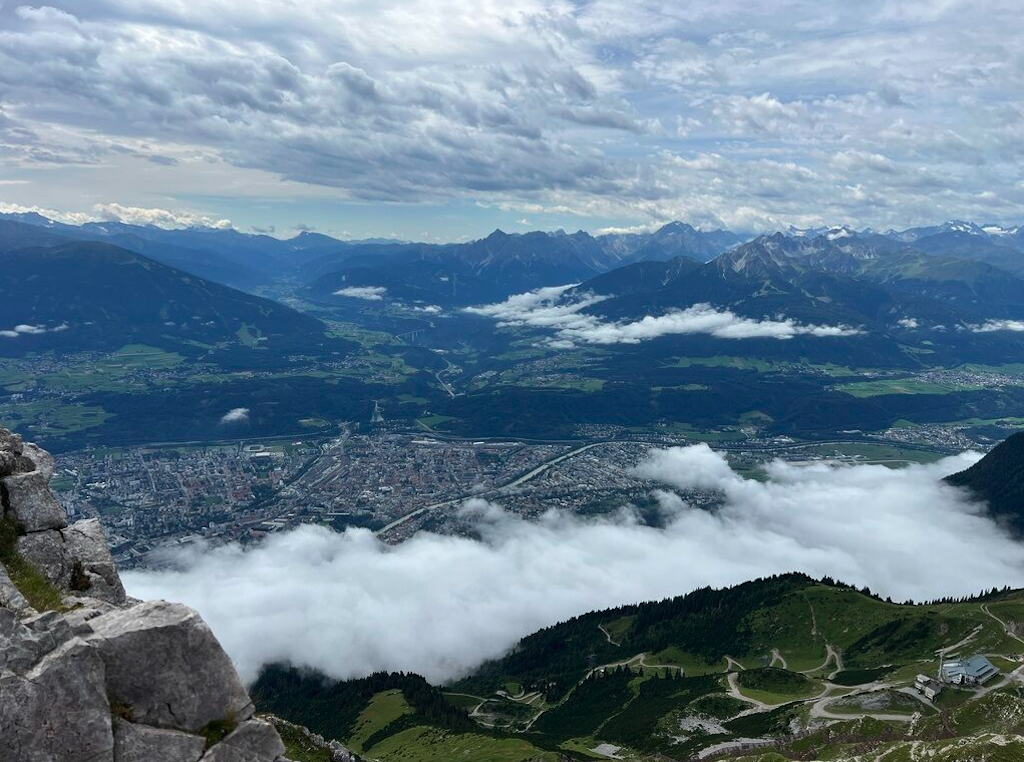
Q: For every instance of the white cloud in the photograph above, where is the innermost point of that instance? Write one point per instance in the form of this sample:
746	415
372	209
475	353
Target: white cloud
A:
161	218
68	218
909	323
132	215
31	329
349	604
236	415
370	293
998	325
546	308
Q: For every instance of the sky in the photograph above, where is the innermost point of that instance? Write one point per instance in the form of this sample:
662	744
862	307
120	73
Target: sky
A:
444	119
348	604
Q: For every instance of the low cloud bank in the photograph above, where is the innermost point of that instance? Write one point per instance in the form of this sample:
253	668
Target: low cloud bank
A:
348	604
371	293
547	308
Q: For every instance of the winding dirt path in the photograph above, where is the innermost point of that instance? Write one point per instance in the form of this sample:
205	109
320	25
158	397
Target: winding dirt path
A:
607	635
733	664
778	657
1003	624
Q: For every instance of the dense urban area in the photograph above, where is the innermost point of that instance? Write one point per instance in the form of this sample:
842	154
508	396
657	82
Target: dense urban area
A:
396	483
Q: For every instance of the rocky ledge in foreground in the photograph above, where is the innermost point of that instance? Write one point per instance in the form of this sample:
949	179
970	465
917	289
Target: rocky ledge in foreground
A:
100	677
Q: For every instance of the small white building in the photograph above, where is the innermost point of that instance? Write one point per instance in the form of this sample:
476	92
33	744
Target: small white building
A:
927	687
975	670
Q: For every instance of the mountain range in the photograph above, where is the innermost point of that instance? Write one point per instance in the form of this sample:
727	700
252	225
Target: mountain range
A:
59	293
959	286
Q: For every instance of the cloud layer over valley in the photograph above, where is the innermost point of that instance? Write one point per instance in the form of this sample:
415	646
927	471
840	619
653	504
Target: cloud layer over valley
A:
548	308
439	605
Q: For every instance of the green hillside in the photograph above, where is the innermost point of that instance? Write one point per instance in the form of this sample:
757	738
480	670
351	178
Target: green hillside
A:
788	667
998	479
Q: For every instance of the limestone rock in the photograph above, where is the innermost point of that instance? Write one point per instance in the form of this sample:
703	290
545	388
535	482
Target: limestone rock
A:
86	545
252	741
58	710
10	597
11	458
164	663
45	551
141	743
39	459
29	499
75	559
156	666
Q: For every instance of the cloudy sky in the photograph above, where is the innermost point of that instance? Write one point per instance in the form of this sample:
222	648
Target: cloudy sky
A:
442	119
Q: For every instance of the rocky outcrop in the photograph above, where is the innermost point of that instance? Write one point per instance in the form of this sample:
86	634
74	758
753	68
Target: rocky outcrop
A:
167	637
314	741
106	679
74	558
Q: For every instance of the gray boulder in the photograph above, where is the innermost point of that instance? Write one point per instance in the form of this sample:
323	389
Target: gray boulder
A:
141	743
11	449
10	597
86	544
58	710
31	503
45	551
252	741
165	664
76	560
38	458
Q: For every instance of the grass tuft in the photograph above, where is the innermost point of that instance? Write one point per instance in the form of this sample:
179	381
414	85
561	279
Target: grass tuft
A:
38	591
216	731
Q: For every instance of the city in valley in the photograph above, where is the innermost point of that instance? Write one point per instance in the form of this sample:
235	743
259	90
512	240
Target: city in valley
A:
397	483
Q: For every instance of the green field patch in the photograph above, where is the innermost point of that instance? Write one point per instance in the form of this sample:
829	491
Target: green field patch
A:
682	388
383	709
786	626
404	397
860	676
871	633
952	697
869	452
314	423
723	361
362	336
51	417
463	700
250	335
879	387
776	686
430	421
693	665
423	744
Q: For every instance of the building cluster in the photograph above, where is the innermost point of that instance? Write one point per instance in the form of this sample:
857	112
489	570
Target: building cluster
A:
963	672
